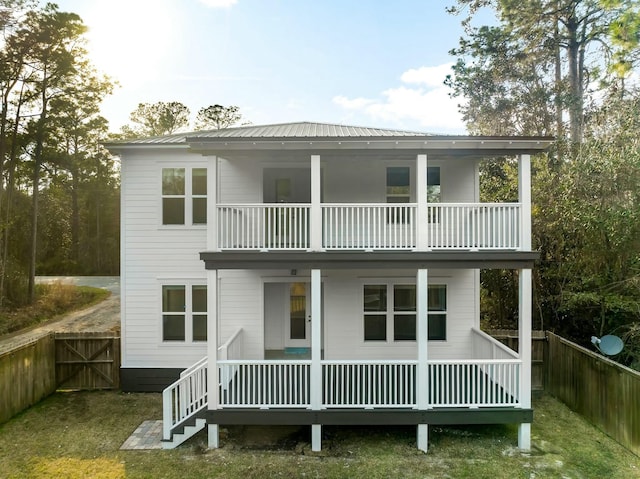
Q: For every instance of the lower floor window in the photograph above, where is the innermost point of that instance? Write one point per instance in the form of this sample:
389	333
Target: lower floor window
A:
184	312
390	311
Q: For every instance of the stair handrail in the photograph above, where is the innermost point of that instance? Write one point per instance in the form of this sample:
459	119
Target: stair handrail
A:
184	398
232	348
193	367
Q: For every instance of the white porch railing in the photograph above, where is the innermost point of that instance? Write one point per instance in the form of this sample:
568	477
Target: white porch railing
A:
263	226
265	384
376	226
474	226
184	398
369	226
473	383
484	346
232	348
368	384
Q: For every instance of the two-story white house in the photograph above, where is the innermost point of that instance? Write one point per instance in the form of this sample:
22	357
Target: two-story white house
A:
319	274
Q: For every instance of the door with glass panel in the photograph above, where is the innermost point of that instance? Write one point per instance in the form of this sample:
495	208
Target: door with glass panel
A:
297	316
286	225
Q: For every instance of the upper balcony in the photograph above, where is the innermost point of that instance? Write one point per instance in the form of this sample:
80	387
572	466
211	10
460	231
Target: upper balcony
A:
370	226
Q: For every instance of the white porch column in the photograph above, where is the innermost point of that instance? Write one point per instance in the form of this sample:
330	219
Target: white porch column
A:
212	352
524	197
212	204
421	199
422	336
524	349
315	215
316	355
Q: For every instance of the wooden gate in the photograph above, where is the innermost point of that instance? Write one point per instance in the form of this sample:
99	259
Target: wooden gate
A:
87	360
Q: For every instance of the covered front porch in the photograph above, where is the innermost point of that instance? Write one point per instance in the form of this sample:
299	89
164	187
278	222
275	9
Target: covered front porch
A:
490	380
487	384
488	389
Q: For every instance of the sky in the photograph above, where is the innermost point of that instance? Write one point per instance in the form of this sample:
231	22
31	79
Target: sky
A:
373	63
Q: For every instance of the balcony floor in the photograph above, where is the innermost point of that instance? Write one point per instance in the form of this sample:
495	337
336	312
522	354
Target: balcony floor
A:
293	354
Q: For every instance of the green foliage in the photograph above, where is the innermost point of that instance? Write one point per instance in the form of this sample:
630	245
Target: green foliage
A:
217	117
537	67
559	68
50	153
156	119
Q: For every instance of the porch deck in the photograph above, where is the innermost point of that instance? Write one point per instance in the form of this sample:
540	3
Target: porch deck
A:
342	391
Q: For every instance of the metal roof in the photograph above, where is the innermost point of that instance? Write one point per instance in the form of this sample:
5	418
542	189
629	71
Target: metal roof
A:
304	130
245	140
282	130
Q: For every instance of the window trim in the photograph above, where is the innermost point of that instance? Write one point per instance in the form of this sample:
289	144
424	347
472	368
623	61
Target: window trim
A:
390	312
188	284
188	196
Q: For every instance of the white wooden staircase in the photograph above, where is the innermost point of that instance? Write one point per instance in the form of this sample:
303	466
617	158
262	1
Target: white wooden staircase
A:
184	405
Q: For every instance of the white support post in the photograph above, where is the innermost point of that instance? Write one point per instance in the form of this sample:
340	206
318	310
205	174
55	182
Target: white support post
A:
423	437
421	198
212	204
315	215
213	436
316	355
316	437
213	389
524	353
316	340
422	336
524	197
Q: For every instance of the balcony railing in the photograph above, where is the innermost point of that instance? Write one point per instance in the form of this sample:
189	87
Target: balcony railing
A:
373	226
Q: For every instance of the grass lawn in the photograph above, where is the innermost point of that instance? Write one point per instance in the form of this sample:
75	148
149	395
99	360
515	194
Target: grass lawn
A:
78	435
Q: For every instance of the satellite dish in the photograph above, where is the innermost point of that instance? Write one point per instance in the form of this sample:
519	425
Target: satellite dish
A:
609	344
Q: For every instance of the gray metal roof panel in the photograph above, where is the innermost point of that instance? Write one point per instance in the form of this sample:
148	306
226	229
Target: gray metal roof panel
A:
281	130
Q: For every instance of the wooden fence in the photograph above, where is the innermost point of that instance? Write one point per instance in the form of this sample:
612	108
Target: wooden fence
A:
27	375
509	338
603	391
32	371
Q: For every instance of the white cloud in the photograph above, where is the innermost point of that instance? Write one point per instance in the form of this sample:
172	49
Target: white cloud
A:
219	3
426	104
430	76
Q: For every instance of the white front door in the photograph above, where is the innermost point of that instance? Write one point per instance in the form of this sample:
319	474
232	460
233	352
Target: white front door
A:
297	318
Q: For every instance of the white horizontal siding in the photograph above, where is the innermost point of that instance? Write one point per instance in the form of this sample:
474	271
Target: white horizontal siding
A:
154	255
241	307
240	181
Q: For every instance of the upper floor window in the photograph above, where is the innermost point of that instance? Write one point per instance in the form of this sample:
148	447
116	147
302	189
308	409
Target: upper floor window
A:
184	196
398	184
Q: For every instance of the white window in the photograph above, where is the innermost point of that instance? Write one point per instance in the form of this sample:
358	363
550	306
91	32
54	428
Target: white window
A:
184	312
390	312
398	184
184	196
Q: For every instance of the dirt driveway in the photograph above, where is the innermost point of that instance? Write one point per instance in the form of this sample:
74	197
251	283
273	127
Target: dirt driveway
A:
101	317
